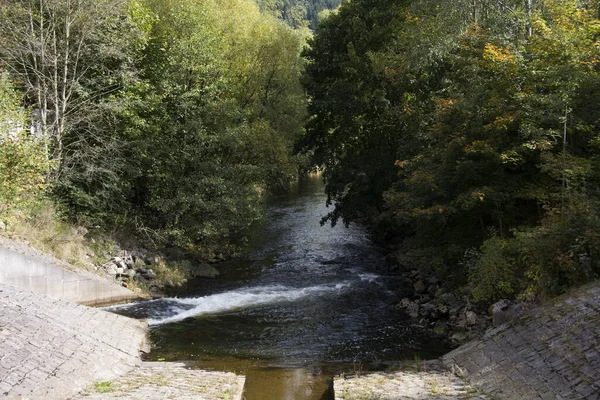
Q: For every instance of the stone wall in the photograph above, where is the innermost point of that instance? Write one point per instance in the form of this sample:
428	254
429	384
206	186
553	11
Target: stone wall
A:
29	269
552	352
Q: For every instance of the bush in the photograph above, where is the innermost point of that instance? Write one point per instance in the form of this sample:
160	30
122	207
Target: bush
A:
492	273
24	164
562	252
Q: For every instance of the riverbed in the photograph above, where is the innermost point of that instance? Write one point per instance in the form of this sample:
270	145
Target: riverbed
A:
310	301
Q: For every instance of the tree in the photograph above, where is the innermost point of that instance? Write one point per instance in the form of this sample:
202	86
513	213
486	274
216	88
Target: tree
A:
68	55
23	159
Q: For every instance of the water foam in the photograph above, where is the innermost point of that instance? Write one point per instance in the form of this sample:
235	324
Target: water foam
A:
238	299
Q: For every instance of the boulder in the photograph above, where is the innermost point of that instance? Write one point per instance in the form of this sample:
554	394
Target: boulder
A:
413	310
130	262
119	262
419	286
428	309
204	271
111	270
471	318
405	302
503	311
150	274
130	273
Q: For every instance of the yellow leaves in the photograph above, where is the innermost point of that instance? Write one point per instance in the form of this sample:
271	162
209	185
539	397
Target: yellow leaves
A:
498	54
478	195
501	123
478	146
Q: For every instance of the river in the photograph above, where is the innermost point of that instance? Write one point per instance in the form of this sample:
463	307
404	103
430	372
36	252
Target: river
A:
309	302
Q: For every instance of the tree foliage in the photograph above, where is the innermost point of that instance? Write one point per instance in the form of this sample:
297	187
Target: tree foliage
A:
23	159
462	126
166	117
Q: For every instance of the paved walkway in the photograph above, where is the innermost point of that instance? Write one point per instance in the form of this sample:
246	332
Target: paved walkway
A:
52	349
552	352
159	381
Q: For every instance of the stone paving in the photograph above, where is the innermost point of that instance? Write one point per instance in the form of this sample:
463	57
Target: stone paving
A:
52	349
158	381
552	352
429	381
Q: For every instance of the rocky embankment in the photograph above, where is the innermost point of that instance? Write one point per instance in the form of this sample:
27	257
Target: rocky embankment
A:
152	271
446	313
548	352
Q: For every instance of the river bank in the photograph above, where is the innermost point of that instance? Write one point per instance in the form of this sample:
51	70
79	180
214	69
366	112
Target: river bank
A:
549	352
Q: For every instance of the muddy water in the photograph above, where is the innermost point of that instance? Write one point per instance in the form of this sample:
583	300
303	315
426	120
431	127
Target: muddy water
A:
307	304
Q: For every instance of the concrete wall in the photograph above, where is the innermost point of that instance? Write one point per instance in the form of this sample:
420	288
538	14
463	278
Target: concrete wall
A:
33	271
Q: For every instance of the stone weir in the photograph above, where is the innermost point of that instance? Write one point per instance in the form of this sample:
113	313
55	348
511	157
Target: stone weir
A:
26	268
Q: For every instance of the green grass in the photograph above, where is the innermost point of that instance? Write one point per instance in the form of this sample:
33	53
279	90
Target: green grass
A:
103	387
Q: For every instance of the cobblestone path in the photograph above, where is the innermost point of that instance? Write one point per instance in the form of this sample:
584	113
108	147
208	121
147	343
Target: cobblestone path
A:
52	349
552	352
159	381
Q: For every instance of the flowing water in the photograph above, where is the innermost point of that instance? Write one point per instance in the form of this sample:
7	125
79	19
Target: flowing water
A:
307	304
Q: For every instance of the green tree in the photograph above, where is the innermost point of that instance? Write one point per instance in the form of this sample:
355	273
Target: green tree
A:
24	163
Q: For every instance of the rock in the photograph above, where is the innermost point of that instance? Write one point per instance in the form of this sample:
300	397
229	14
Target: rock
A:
503	311
204	271
2	226
471	318
432	289
130	273
428	309
130	262
152	260
442	309
433	280
413	310
119	262
111	270
405	302
459	337
150	274
139	263
119	271
419	286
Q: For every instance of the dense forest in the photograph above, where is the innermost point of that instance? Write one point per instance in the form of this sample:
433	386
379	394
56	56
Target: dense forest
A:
467	133
168	119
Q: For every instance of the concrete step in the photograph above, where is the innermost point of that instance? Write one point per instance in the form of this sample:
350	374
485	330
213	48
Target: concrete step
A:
427	381
165	380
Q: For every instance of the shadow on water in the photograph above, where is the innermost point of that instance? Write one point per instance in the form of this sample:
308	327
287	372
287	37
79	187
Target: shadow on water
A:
308	303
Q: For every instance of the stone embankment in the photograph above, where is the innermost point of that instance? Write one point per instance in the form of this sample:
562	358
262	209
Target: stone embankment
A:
52	349
424	381
552	352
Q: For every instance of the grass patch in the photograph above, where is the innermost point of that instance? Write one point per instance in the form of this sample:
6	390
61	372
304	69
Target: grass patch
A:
103	387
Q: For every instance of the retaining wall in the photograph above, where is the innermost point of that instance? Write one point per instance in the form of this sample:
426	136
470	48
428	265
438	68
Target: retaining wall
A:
29	269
